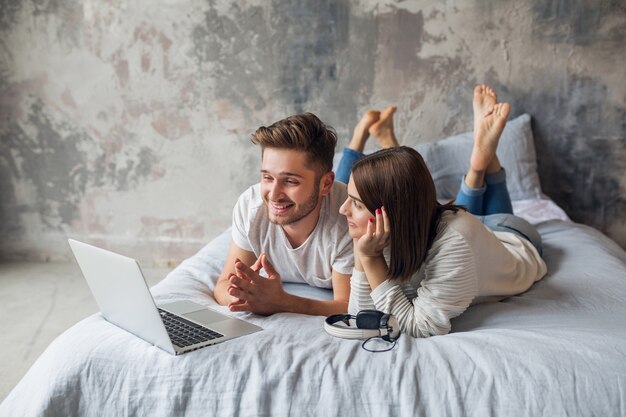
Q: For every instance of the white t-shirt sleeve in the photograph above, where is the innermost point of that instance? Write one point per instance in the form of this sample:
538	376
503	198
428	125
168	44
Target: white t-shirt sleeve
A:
447	290
344	261
242	221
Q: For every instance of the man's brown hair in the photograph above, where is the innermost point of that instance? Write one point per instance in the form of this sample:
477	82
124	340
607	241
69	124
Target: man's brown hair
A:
302	132
398	179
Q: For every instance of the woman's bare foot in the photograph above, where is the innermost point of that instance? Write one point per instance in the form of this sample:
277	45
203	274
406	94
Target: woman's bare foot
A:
484	100
487	135
361	130
382	130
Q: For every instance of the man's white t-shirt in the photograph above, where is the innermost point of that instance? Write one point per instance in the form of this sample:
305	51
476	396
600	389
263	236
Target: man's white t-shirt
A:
328	248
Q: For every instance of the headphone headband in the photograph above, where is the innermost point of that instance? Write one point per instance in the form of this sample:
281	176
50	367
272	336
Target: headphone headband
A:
366	324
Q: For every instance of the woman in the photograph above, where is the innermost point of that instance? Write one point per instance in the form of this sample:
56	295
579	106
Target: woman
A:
425	262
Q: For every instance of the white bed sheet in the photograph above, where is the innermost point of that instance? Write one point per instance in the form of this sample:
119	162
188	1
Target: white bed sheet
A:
558	349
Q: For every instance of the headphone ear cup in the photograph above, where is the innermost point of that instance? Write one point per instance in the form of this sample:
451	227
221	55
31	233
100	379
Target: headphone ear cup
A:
369	319
393	328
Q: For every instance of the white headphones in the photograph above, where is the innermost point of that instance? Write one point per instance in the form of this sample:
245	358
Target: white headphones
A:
366	324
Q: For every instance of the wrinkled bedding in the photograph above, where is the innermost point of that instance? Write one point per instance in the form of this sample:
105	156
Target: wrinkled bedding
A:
559	349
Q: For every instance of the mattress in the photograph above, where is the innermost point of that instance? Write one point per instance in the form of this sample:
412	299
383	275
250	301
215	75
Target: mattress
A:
558	349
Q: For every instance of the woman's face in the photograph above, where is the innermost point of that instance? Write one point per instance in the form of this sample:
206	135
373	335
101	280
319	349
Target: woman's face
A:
355	211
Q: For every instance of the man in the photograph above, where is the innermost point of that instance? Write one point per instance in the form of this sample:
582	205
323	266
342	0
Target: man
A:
291	217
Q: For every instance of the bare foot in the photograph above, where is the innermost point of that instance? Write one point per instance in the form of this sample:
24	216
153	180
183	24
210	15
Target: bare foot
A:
484	100
383	129
486	136
361	130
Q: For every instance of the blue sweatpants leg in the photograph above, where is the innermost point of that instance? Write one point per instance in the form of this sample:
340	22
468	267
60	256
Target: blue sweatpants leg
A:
492	205
493	197
471	198
349	157
497	198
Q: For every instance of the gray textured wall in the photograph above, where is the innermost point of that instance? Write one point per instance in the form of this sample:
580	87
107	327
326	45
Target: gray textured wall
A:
126	123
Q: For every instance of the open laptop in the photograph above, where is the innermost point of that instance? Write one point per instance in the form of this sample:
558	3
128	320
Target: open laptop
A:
122	294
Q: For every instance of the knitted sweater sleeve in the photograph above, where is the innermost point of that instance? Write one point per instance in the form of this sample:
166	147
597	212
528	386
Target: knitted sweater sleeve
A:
447	290
360	290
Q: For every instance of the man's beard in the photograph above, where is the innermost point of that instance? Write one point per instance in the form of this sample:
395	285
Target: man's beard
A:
306	208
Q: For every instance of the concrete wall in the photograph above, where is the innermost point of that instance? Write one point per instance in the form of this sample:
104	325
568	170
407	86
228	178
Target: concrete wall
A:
126	123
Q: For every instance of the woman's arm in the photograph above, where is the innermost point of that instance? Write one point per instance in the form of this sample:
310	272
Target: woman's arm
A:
360	289
448	288
376	270
370	248
370	267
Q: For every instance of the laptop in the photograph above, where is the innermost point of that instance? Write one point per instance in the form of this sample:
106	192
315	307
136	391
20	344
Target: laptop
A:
122	294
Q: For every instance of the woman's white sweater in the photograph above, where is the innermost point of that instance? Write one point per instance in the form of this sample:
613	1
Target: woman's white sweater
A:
466	264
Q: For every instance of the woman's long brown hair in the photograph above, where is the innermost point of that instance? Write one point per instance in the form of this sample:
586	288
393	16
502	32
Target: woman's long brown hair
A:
398	179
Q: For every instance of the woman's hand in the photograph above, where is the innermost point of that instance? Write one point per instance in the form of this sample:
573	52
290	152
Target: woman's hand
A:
377	236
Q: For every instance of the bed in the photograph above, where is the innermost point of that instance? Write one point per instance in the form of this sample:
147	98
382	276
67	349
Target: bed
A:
559	349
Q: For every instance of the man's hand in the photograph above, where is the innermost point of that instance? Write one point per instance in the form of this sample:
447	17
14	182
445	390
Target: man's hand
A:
377	236
221	286
254	292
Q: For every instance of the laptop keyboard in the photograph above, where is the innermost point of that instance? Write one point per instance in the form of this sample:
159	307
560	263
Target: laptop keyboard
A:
185	333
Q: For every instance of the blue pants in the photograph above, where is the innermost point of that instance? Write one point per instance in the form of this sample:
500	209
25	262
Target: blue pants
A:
491	203
349	157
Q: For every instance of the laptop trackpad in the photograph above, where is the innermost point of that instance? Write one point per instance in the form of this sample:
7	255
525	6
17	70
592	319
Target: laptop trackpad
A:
194	311
206	317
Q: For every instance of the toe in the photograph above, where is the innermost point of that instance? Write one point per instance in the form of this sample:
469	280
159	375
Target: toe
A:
388	112
505	109
502	110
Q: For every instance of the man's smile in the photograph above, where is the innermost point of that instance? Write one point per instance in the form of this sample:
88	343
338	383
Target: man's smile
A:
280	207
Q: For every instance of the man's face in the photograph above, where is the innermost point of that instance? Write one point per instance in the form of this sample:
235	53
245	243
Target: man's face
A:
290	189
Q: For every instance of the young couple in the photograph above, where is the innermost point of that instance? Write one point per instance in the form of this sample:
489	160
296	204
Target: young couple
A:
408	255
